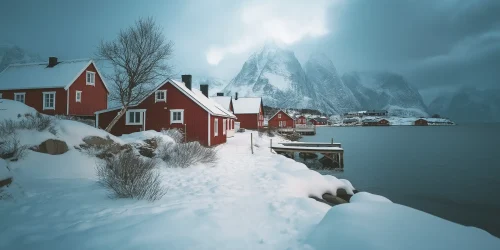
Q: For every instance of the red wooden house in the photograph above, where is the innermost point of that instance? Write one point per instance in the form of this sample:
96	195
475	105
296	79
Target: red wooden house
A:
319	121
281	120
225	102
56	88
174	104
421	122
249	111
302	120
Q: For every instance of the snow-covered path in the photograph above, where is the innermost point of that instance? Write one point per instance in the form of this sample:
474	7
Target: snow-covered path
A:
244	202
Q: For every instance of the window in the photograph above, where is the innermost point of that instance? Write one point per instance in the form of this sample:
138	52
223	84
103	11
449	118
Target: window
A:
90	78
0	95
216	127
161	96
279	115
134	117
224	126
49	100
78	96
284	123
177	116
20	97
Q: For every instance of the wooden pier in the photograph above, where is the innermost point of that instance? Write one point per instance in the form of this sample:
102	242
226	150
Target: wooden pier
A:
333	151
300	129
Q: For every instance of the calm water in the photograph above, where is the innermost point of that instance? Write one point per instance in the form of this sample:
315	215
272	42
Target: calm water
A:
451	171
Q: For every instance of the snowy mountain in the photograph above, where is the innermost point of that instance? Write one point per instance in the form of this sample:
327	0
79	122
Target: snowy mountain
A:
469	104
214	84
275	75
10	54
383	90
332	94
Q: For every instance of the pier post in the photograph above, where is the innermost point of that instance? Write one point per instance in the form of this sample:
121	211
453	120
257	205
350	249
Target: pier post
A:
271	146
251	141
332	140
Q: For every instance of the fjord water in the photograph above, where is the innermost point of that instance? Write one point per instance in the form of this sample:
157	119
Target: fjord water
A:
450	171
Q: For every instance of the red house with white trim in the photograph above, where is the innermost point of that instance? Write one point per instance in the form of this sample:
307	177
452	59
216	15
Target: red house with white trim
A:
174	104
55	87
302	120
281	120
225	102
249	111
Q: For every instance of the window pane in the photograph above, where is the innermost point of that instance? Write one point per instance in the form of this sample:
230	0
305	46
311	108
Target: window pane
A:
137	117
131	117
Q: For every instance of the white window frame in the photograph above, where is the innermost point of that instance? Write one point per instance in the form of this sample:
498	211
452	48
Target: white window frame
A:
23	94
279	115
216	127
141	117
172	111
92	78
224	127
54	102
76	96
164	96
0	95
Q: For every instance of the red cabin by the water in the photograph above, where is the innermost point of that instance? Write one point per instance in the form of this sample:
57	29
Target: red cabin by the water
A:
250	111
301	120
281	120
55	87
174	104
319	121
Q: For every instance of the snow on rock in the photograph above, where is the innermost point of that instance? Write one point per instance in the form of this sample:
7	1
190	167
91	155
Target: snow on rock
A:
386	226
367	197
4	172
10	109
139	137
73	132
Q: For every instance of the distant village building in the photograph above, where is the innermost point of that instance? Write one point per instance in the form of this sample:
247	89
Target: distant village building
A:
375	122
73	87
351	114
376	113
350	120
281	120
421	122
319	121
249	111
174	104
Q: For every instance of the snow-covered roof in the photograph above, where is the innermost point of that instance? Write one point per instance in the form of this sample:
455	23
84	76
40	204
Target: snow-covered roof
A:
247	105
224	101
282	112
39	76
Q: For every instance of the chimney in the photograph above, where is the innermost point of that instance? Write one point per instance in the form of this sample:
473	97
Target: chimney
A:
187	80
236	96
204	89
52	62
220	94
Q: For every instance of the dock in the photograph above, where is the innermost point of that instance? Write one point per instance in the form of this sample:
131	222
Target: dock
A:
332	151
300	129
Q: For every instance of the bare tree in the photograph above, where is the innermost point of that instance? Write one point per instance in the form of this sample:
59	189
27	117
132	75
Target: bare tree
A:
139	58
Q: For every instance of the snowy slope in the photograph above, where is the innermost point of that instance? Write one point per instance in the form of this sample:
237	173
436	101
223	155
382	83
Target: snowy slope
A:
333	96
214	84
383	90
469	105
10	54
275	75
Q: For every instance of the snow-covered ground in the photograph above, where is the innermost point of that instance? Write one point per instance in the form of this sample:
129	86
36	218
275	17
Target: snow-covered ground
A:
245	201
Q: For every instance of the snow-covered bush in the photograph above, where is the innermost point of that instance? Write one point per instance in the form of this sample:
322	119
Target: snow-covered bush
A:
176	134
129	176
184	155
11	148
28	121
89	122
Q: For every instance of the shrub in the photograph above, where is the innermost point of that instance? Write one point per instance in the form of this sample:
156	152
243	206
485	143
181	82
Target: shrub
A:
11	148
186	154
129	176
37	122
175	134
89	122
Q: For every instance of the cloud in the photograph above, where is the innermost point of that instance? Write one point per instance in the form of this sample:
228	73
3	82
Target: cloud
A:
285	22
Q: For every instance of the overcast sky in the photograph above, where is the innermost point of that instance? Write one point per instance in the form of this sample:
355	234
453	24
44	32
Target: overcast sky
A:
436	44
